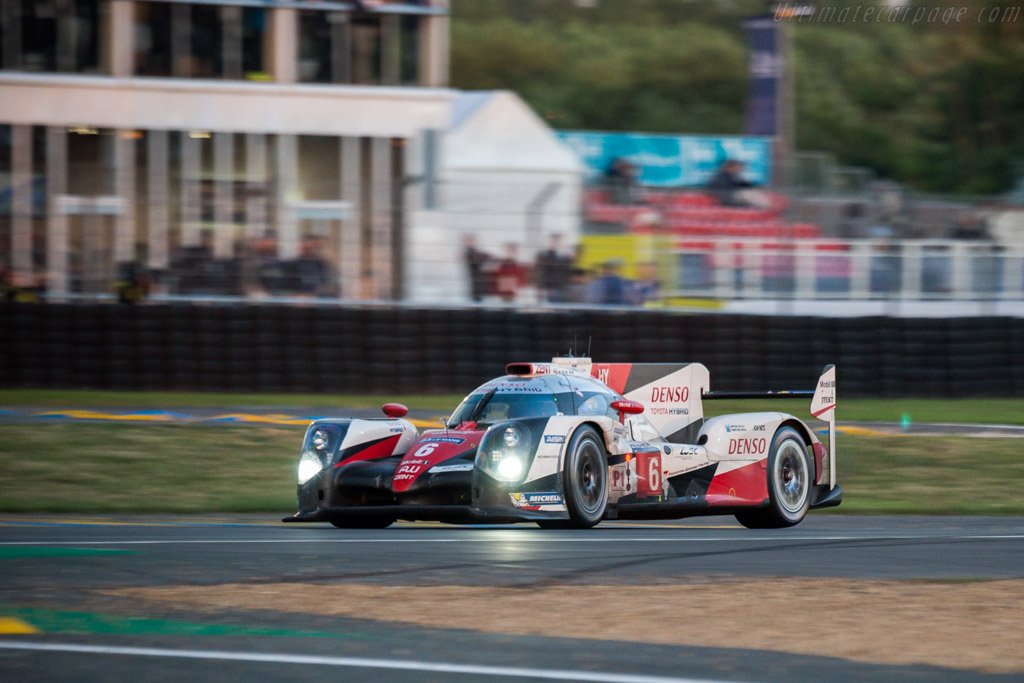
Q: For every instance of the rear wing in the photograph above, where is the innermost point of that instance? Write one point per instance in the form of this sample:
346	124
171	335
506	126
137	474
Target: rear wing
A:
823	407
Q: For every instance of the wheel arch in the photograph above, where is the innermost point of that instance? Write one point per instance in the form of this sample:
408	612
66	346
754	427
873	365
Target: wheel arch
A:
805	433
607	435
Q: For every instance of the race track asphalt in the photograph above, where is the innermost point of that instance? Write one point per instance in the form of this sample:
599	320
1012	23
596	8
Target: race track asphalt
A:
55	571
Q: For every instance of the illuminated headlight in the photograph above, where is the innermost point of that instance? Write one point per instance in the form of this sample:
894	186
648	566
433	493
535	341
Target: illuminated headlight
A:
320	439
512	436
504	452
510	468
309	466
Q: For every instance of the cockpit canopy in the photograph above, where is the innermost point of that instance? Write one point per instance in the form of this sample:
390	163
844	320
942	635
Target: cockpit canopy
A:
515	397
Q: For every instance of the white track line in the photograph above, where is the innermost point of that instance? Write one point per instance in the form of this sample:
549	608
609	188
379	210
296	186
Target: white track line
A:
520	539
359	662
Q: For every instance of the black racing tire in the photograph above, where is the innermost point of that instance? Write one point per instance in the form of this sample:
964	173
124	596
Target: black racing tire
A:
585	478
790	477
363	522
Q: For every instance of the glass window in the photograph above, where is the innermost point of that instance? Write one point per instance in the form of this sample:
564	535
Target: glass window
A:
253	26
410	50
207	42
153	39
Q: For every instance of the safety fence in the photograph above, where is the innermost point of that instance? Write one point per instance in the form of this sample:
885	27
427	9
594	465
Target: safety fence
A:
908	270
333	349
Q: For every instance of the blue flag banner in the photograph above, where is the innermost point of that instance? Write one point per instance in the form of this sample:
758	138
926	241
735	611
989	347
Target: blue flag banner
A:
670	160
765	70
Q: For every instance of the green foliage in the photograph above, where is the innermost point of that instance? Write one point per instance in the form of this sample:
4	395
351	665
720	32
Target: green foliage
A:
935	106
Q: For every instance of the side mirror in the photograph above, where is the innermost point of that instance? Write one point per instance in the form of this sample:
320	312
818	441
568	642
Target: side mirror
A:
625	406
395	410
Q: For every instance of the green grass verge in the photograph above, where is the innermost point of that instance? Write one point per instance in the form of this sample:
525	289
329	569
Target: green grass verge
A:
103	468
981	411
147	468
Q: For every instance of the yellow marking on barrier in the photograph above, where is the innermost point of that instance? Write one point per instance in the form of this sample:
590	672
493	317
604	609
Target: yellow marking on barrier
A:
12	626
864	431
92	415
261	419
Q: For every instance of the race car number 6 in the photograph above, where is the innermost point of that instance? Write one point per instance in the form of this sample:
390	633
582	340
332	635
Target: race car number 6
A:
425	450
654	474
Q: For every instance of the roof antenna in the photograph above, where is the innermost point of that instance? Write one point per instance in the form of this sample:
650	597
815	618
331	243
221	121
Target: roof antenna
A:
589	339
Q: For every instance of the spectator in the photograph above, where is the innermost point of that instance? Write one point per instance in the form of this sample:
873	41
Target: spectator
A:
510	275
552	271
133	284
477	262
732	189
576	291
611	288
647	287
620	179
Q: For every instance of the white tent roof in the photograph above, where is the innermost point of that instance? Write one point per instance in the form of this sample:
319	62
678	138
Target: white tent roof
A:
495	130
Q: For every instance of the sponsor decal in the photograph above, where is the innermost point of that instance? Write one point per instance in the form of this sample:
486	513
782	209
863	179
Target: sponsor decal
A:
689	468
444	439
756	446
735	428
540	498
689	450
760	428
602	375
396	430
554	438
461	467
670	394
516	388
661	410
621	481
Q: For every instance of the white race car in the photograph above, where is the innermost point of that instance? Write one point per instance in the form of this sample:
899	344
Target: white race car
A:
572	442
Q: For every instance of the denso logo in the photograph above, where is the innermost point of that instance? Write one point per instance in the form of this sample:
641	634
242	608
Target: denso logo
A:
670	394
748	446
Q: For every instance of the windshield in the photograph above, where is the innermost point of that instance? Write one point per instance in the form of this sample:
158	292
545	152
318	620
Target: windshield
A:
486	408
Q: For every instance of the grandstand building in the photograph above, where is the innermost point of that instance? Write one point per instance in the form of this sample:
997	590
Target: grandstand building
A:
258	135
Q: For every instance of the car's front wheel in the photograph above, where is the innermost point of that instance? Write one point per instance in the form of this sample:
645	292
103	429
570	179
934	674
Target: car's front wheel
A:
789	484
585	477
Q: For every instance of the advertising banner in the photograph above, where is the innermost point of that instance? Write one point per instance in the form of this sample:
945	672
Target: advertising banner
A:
765	70
670	160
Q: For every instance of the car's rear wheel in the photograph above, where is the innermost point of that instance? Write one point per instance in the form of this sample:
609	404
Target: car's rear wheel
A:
789	475
363	522
585	477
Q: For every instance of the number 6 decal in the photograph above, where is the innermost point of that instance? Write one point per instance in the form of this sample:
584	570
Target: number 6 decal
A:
654	474
425	450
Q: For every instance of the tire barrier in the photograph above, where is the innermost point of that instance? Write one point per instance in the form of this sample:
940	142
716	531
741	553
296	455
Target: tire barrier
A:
327	349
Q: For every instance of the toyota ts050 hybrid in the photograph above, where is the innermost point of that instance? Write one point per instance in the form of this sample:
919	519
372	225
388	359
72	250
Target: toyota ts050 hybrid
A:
569	443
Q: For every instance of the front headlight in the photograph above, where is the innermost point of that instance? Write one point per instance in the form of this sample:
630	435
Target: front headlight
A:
510	468
309	466
512	436
504	452
320	439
